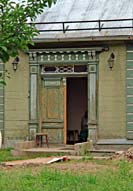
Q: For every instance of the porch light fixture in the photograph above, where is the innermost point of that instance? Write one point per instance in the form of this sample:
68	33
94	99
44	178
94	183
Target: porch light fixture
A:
15	63
111	60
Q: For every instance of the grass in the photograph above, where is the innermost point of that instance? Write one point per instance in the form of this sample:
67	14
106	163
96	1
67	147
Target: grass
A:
38	178
44	178
5	155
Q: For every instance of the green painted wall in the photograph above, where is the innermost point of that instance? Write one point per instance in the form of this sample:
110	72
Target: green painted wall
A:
111	92
17	102
2	101
111	98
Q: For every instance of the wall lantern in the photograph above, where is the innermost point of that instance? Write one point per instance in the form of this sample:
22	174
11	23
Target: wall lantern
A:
111	60
15	63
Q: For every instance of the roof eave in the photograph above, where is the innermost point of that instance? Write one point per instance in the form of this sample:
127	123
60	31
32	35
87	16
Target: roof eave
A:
89	38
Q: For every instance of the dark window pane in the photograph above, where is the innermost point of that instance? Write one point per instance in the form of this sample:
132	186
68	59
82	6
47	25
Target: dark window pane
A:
80	68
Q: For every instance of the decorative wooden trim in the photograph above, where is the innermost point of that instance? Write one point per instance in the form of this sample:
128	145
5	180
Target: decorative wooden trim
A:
49	56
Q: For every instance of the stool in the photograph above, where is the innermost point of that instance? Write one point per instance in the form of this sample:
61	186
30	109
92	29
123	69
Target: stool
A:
39	139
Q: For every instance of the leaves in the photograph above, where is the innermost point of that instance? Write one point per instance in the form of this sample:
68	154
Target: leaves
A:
3	48
15	32
2	82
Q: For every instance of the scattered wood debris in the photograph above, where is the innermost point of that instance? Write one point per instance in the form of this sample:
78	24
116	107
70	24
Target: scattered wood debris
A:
58	159
123	155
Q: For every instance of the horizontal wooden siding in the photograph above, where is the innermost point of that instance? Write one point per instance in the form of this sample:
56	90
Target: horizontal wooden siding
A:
129	92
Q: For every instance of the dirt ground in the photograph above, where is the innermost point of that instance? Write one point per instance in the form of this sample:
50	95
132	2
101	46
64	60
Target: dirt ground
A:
79	167
75	165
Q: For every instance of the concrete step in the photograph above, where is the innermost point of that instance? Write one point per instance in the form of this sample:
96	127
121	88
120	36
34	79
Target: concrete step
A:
103	148
52	150
101	152
113	144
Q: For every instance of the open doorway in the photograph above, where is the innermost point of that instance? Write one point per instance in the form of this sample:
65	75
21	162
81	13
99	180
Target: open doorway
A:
76	106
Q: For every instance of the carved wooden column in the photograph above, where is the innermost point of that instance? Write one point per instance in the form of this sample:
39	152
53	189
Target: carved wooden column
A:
65	109
92	135
33	96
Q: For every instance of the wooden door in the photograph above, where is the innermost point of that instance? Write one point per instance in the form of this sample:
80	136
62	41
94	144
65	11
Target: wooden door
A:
53	109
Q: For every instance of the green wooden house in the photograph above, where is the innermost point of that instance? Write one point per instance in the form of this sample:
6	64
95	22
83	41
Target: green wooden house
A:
82	60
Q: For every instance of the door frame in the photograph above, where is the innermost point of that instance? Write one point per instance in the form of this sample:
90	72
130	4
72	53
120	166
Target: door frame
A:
67	56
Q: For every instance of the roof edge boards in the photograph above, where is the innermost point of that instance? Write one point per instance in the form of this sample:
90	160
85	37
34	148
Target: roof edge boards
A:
95	48
92	38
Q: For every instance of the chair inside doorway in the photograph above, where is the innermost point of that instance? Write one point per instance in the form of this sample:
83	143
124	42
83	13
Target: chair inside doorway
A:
72	136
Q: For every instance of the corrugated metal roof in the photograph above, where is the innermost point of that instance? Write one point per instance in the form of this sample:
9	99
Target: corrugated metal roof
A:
79	10
67	10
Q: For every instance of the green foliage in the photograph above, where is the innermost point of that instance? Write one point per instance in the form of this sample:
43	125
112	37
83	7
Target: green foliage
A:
15	32
87	156
124	169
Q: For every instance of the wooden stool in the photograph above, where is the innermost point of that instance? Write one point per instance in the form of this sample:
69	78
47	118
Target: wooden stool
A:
39	139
